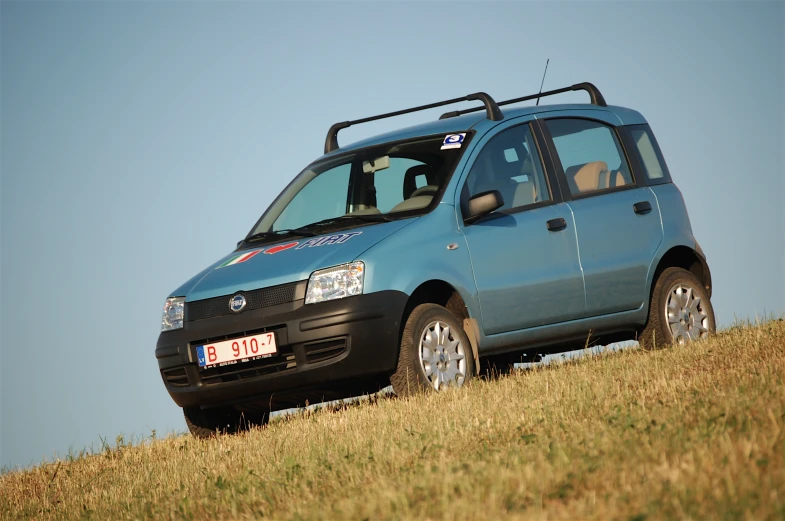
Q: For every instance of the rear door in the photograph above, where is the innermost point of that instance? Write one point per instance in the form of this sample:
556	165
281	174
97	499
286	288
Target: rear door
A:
524	255
617	219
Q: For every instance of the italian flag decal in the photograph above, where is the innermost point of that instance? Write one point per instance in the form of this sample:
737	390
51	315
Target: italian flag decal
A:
237	259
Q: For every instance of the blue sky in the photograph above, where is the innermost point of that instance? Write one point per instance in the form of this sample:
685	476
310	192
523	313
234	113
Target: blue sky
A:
140	141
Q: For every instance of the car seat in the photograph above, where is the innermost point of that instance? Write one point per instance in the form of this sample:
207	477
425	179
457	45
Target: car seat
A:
410	182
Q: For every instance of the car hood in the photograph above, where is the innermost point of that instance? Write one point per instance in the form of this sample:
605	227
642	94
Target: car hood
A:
289	260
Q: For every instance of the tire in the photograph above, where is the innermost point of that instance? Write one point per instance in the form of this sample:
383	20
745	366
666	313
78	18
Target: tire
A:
428	361
686	317
206	423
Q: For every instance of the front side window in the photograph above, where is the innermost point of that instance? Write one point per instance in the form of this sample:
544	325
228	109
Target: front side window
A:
377	183
510	163
590	154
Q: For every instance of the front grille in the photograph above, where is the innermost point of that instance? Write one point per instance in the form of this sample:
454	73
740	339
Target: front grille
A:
258	298
176	377
324	350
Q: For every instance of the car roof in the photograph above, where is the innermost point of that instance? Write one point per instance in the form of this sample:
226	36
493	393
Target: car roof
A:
478	121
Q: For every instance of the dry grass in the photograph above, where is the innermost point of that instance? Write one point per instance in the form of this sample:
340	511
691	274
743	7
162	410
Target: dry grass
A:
687	433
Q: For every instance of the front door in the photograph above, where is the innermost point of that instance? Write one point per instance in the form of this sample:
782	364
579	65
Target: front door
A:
524	255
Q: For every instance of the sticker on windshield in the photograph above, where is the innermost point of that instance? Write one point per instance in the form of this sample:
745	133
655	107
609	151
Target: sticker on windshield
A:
453	141
237	259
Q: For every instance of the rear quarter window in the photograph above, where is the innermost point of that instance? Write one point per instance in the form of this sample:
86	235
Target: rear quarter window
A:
650	154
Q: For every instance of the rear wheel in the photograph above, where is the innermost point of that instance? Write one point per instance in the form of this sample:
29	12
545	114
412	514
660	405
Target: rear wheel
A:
679	312
435	352
206	423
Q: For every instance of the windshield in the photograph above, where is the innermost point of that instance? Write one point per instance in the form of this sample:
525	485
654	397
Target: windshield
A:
373	184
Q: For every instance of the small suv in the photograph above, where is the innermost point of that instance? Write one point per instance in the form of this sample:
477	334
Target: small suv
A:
410	257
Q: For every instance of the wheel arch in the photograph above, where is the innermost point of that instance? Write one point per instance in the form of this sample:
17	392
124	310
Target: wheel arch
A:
437	291
440	292
687	258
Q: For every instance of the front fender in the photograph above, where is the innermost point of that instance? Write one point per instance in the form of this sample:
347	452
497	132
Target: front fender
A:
419	253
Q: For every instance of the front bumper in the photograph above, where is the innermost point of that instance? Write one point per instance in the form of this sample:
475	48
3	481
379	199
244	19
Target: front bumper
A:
325	350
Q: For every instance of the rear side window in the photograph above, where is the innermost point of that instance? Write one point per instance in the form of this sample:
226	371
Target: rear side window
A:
651	157
590	154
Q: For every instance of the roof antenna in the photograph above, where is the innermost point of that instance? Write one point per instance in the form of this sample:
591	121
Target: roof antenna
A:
543	82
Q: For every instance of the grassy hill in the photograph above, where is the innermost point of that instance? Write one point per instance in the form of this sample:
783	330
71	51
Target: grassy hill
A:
691	432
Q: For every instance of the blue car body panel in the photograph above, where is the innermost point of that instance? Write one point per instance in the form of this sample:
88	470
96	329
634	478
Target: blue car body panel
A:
526	276
419	254
616	248
677	231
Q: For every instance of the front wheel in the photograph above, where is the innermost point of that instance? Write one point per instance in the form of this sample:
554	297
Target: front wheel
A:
679	312
435	352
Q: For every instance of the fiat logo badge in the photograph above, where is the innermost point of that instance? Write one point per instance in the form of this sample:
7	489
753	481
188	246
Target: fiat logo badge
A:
237	303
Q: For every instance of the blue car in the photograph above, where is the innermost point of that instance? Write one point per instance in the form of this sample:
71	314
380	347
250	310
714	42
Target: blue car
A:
414	257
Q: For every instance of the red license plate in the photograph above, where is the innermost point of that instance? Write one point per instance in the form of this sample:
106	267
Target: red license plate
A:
230	351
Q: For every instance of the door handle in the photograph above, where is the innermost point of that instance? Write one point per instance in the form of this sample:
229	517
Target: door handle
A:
555	225
642	207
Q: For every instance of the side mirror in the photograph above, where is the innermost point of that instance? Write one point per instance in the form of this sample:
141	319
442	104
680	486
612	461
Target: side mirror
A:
483	204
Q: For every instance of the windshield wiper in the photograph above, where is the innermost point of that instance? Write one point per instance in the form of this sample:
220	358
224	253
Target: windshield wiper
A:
368	217
278	233
303	231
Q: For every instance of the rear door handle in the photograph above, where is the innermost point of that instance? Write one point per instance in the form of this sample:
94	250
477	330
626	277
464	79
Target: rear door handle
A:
642	207
555	225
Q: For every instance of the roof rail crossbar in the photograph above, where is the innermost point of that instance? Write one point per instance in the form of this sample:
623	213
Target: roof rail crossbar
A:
594	94
490	106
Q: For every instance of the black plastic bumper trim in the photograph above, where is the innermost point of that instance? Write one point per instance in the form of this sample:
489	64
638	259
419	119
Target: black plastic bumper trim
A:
370	324
164	352
335	320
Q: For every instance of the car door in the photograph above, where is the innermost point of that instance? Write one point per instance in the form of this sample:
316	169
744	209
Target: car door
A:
617	219
524	255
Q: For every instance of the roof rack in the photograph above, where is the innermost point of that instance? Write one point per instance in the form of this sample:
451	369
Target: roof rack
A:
490	106
594	94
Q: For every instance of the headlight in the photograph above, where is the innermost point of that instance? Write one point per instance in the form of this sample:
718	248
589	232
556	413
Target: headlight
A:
338	282
174	311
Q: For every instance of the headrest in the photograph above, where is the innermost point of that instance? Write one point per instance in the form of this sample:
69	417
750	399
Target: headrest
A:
527	168
410	179
504	168
586	178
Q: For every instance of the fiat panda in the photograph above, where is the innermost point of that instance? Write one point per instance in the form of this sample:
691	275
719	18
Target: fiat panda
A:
412	257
